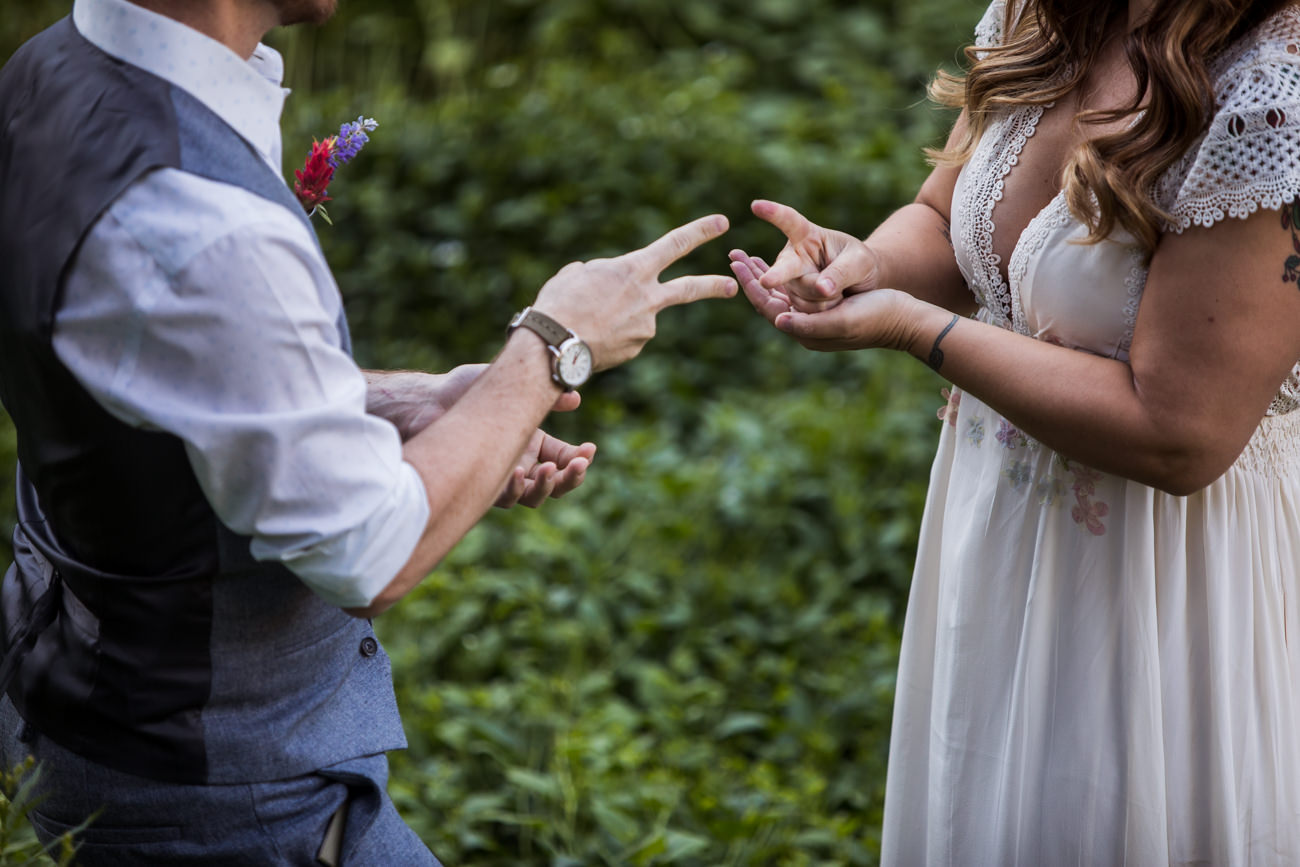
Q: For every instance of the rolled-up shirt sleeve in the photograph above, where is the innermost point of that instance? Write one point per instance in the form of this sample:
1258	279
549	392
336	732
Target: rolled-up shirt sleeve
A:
201	310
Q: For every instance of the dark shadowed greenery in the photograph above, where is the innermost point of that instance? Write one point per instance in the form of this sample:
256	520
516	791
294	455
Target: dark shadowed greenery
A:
19	795
691	660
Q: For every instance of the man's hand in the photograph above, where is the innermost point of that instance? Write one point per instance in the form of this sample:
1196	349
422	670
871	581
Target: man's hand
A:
413	400
549	467
612	303
817	267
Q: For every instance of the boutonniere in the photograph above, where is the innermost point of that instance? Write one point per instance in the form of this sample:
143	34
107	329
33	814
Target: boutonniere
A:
313	179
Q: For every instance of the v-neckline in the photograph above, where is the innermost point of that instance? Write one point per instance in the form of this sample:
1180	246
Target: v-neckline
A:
981	189
1016	250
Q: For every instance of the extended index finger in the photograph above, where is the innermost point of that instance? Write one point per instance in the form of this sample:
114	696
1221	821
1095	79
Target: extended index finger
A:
792	224
673	245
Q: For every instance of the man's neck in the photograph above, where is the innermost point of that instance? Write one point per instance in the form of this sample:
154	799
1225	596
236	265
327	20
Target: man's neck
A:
237	24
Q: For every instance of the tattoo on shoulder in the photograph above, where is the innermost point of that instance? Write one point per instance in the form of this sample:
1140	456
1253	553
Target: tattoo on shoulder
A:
1291	222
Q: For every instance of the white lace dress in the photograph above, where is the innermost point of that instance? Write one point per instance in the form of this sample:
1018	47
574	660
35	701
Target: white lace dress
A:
1094	672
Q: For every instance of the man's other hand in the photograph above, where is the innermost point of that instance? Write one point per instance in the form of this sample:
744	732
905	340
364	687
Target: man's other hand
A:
549	467
413	400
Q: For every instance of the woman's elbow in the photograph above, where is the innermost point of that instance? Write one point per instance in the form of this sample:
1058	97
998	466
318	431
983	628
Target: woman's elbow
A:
1189	467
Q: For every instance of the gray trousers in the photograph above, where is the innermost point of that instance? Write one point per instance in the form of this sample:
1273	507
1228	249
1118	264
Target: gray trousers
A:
146	822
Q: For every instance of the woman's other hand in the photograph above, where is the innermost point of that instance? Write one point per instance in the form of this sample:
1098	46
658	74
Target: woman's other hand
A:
881	318
818	266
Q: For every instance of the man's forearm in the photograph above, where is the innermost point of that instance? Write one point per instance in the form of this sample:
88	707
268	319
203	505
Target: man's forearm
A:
466	454
412	399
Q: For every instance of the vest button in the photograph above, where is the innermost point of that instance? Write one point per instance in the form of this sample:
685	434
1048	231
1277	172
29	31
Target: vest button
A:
369	647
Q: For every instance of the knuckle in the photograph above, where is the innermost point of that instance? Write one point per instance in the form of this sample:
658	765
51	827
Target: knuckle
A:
640	268
684	240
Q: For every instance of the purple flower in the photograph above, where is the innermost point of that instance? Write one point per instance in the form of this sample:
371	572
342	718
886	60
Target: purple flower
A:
1007	434
351	139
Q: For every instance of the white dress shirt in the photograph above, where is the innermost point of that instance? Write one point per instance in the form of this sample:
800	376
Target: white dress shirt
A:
200	309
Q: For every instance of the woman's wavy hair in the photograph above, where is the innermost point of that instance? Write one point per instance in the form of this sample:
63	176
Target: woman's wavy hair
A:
1047	52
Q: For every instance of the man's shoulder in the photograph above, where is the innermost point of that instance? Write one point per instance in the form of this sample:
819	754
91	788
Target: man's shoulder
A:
174	216
41	49
59	74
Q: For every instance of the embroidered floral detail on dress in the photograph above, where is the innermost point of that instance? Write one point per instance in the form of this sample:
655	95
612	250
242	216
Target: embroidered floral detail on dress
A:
948	412
1009	436
1050	486
1018	474
1050	489
1085	480
1087	512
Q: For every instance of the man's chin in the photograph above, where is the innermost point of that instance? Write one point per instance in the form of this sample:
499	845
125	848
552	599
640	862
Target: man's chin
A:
306	11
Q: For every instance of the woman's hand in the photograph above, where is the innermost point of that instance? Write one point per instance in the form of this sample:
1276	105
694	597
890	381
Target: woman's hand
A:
881	318
818	266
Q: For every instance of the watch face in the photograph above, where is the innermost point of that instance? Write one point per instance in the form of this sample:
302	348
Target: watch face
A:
574	363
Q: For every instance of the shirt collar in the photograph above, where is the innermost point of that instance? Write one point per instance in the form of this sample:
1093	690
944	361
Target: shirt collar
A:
246	94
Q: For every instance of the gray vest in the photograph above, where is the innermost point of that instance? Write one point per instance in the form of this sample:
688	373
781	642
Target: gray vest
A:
136	628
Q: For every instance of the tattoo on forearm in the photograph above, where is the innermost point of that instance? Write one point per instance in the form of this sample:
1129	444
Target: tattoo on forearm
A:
936	354
945	229
1291	222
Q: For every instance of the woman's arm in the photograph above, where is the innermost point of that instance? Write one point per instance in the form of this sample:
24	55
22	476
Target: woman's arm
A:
1218	331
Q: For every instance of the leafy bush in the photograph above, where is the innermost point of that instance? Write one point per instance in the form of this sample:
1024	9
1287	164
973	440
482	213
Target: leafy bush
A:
692	660
18	843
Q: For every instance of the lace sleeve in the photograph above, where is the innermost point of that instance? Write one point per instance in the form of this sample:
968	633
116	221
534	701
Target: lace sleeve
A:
990	30
1249	157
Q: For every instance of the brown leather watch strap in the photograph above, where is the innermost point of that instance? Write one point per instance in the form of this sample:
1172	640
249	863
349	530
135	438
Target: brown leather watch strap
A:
551	331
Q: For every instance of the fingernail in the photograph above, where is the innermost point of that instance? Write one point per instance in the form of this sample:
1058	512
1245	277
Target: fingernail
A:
825	285
783	322
720	223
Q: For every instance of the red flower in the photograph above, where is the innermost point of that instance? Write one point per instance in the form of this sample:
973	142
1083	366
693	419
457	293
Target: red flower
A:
315	176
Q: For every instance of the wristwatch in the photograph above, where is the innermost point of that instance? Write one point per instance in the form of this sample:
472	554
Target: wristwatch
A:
570	357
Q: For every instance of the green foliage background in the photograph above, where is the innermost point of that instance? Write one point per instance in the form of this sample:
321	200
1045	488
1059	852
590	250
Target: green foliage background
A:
691	660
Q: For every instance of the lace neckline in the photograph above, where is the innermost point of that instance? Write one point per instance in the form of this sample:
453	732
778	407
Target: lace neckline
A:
996	154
